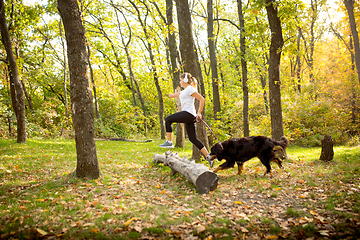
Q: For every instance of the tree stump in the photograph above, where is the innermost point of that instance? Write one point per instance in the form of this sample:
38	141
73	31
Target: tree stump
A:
327	151
204	179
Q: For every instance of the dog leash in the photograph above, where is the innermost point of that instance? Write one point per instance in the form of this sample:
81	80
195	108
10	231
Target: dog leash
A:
210	130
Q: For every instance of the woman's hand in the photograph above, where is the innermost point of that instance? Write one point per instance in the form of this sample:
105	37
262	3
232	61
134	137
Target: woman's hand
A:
198	117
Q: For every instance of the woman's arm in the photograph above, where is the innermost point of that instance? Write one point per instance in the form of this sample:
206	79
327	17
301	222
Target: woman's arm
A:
202	102
174	95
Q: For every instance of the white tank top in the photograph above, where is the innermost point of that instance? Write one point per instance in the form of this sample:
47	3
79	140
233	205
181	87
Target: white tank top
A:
188	101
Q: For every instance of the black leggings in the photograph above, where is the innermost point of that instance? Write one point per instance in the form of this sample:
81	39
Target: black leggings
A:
189	120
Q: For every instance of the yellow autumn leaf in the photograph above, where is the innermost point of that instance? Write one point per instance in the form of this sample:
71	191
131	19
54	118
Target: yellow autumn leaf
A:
42	232
271	237
95	230
238	202
312	212
129	221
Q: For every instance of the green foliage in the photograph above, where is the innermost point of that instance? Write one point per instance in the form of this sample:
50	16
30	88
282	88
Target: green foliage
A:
327	104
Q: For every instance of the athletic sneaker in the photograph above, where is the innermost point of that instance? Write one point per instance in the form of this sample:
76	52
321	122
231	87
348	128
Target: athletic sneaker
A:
167	144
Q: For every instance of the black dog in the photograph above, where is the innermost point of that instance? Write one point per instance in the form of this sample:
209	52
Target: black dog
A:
240	150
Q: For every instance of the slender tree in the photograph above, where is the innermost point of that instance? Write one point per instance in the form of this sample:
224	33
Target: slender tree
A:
80	91
277	43
244	70
213	59
189	57
174	66
149	47
349	4
64	72
18	96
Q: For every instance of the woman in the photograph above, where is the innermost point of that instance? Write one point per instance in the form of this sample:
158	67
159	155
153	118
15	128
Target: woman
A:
188	114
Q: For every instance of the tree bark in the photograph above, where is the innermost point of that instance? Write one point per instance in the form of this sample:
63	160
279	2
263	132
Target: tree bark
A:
64	71
80	91
174	69
28	97
19	107
327	151
189	57
213	60
200	175
244	71
349	4
298	62
277	43
97	114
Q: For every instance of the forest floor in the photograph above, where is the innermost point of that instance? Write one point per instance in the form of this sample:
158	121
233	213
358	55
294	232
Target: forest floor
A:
137	199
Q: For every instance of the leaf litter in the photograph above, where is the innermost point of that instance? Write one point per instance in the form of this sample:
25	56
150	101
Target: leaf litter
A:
144	201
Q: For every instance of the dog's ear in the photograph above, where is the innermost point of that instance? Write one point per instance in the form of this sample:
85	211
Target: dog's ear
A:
218	149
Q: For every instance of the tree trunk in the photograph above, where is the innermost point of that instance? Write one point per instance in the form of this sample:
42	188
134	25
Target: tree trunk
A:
174	69
19	108
161	101
244	71
64	71
28	97
349	4
277	43
200	175
97	114
154	71
213	60
9	125
354	97
189	57
298	62
327	151
129	61
80	91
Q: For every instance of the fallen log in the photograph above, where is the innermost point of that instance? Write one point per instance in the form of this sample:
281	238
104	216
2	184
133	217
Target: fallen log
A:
204	179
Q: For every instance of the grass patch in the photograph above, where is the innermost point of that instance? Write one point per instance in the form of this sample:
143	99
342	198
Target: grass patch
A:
135	198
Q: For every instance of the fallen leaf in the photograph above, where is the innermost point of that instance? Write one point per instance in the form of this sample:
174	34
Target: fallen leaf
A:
138	229
200	229
244	230
324	232
312	212
42	232
271	237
